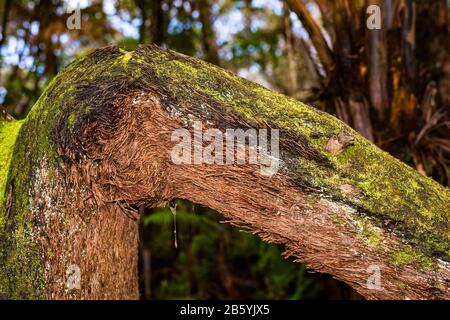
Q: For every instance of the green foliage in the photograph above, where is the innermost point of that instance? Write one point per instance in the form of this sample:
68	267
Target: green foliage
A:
216	260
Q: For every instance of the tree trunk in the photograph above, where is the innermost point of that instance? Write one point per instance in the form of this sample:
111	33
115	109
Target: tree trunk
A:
97	145
390	84
6	9
158	24
208	35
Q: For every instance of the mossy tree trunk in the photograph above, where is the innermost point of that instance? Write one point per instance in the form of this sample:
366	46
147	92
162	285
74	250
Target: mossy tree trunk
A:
97	146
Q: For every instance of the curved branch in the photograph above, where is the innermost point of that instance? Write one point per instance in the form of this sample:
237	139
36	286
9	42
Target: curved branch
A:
99	144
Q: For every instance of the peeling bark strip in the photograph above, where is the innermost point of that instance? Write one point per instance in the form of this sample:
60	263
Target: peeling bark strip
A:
97	145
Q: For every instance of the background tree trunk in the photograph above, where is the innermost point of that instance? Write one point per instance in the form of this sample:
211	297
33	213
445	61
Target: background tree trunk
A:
97	146
389	84
209	37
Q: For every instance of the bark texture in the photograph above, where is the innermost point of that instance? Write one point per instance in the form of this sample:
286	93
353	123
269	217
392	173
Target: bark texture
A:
97	146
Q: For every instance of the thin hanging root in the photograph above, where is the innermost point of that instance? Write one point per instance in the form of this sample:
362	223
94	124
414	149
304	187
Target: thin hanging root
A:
173	209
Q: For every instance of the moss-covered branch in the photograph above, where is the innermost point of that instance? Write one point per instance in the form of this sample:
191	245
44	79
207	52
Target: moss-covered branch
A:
393	216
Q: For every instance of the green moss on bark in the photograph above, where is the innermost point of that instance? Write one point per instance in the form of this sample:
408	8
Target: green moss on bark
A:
407	255
20	263
9	131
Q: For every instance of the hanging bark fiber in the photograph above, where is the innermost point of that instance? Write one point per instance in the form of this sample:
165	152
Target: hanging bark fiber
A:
97	145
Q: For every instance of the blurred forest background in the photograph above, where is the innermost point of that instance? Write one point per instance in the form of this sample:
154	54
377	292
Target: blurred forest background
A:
391	84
